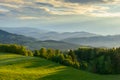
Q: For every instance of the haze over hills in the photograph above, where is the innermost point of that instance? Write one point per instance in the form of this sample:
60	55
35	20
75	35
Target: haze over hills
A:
52	44
60	36
66	40
46	34
9	38
6	37
97	41
26	31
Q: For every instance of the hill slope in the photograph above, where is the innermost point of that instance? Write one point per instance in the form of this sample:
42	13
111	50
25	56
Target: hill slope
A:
6	37
17	67
26	31
52	44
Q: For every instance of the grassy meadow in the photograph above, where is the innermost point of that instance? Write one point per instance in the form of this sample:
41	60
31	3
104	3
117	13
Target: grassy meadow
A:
18	67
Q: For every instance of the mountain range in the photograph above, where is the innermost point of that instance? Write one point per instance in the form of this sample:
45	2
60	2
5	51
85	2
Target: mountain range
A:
6	37
47	35
32	43
37	38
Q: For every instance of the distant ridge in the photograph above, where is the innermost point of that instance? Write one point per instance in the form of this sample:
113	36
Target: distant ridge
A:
6	37
48	35
96	41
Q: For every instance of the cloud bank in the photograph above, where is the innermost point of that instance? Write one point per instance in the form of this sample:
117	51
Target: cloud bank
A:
35	9
92	1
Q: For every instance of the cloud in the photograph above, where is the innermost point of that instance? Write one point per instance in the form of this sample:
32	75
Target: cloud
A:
63	8
9	5
3	10
44	4
105	14
35	18
92	1
38	8
27	17
13	1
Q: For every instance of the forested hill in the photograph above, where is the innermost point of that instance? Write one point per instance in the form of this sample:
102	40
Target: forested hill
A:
6	37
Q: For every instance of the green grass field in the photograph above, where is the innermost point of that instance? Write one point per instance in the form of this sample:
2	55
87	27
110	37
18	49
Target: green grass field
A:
17	67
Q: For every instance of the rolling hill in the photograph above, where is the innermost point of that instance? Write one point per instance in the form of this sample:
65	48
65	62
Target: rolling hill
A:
64	35
6	37
17	67
26	31
97	41
52	44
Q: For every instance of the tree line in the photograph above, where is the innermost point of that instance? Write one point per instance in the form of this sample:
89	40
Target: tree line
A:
68	59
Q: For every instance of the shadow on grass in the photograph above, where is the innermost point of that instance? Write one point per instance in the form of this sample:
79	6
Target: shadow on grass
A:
68	74
40	62
33	62
11	61
2	53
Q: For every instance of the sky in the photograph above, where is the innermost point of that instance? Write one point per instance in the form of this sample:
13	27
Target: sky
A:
95	16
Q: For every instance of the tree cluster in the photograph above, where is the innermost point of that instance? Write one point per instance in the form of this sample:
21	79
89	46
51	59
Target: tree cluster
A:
99	60
68	59
17	49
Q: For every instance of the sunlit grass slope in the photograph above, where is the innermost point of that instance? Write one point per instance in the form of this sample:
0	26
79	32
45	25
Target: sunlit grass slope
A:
17	67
